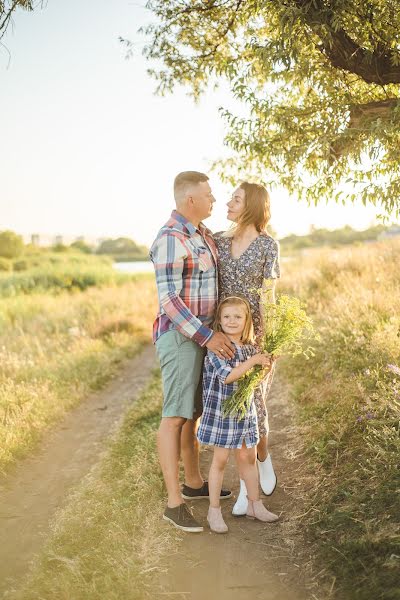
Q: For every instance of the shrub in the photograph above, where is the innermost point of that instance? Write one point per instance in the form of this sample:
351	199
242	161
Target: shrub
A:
5	264
11	244
81	246
20	265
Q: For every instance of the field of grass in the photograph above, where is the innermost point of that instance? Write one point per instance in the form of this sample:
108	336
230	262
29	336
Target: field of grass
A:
54	349
349	400
54	272
110	541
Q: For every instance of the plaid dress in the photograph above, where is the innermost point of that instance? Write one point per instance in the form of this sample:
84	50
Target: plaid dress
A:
214	429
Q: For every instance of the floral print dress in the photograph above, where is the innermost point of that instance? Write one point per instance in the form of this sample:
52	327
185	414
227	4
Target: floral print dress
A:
245	276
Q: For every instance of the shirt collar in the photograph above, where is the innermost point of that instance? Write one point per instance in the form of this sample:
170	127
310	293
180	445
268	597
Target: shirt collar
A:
187	224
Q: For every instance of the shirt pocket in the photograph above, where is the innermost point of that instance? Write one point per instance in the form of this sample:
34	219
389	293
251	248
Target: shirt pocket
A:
203	255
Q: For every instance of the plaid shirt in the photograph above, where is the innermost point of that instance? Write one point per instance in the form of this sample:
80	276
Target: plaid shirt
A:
185	264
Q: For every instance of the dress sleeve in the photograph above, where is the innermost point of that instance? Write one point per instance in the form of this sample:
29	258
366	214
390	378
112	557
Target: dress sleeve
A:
221	366
271	266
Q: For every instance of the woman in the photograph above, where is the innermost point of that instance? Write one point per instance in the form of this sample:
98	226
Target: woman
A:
247	257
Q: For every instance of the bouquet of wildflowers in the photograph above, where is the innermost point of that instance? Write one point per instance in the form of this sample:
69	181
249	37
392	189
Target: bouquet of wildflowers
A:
287	328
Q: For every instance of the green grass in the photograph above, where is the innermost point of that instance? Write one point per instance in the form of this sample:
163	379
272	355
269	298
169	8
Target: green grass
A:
57	272
110	541
55	349
349	401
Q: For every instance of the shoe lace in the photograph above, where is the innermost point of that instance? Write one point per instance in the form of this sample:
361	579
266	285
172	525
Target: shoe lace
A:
185	513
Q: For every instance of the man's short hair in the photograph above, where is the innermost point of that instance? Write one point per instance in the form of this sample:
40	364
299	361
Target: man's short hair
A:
184	180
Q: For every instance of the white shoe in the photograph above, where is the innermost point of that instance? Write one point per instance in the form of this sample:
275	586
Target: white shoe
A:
267	475
241	503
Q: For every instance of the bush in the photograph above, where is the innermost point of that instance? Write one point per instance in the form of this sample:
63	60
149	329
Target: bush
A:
5	264
81	246
20	265
60	248
11	244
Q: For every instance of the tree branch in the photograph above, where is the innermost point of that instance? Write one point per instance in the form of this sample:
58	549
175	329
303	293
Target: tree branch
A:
361	116
343	52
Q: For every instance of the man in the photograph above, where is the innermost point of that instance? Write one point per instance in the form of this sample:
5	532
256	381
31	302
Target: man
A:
185	263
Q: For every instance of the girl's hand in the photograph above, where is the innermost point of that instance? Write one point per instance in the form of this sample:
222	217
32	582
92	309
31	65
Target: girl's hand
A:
264	360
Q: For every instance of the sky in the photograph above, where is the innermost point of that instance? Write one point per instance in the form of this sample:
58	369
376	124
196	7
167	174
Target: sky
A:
88	149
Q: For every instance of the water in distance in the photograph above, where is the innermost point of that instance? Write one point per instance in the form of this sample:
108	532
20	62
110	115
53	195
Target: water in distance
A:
140	266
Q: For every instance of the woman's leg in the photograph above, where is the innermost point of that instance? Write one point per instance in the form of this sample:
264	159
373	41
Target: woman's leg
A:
262	448
265	469
216	475
260	396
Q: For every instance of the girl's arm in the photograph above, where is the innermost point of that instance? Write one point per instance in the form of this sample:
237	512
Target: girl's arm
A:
257	359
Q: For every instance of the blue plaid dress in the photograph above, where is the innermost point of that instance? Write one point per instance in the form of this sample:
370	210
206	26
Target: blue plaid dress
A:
214	429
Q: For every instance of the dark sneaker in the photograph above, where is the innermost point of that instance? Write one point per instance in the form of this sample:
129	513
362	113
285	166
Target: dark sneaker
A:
197	493
182	518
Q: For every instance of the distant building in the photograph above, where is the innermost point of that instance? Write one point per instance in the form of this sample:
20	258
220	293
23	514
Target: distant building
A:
35	239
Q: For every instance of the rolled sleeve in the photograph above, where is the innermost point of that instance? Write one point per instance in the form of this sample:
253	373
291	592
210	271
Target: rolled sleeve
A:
221	366
168	255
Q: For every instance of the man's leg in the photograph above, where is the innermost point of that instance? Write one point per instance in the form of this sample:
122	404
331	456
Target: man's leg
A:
190	454
168	442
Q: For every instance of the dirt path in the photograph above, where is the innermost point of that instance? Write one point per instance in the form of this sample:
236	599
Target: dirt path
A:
40	484
268	562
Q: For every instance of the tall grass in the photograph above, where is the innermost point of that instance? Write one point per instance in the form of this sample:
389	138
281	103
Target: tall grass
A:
57	272
110	540
55	349
349	396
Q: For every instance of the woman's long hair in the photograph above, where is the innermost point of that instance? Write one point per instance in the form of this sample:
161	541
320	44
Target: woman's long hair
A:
248	331
256	211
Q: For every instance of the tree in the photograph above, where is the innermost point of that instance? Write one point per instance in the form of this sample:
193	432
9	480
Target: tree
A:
118	246
7	9
81	246
11	244
320	80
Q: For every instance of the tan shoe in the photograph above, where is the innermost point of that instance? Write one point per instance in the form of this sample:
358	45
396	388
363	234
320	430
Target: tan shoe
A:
215	520
257	510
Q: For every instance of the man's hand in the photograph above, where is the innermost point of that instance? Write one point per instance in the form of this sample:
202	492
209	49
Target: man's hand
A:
221	345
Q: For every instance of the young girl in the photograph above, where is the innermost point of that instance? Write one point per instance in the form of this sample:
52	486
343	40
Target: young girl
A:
224	433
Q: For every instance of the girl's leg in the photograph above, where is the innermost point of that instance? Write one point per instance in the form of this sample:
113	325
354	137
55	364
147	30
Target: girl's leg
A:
246	462
246	457
216	475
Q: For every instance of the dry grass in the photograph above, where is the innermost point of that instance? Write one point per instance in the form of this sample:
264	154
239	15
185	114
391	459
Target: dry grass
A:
110	541
55	349
349	399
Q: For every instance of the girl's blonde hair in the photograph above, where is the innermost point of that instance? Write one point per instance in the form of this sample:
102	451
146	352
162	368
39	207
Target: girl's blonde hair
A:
248	331
256	211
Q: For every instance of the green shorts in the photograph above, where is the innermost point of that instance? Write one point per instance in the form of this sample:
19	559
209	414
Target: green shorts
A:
181	362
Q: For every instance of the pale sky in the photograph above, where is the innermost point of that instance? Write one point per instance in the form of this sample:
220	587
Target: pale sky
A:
85	146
